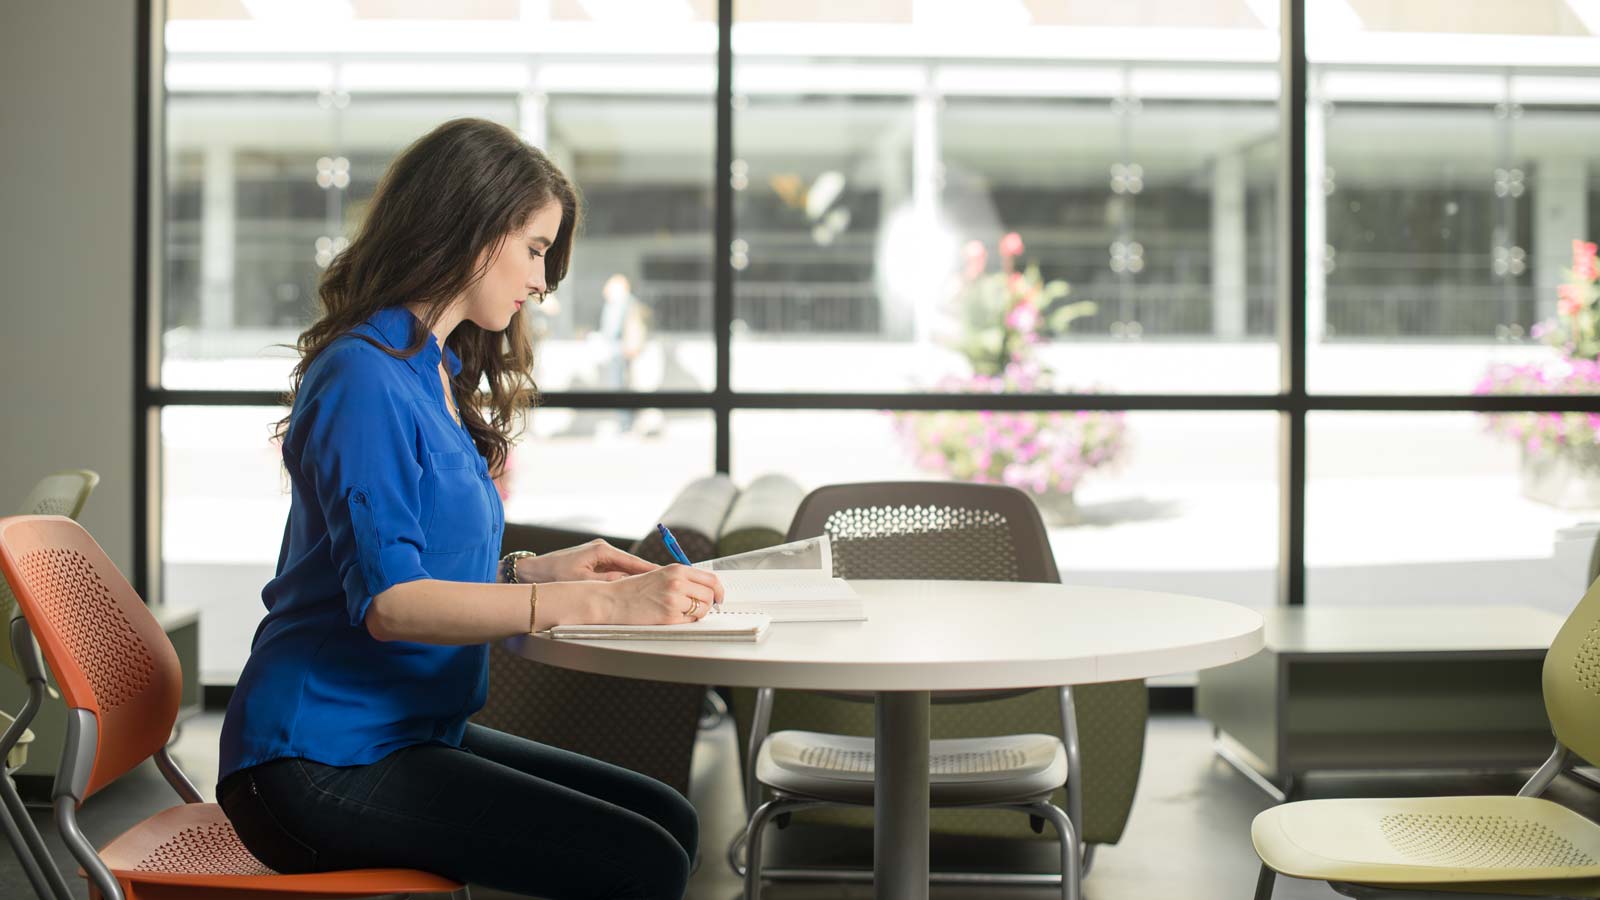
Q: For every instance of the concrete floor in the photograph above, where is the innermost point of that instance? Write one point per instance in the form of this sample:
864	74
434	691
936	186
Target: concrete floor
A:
1188	836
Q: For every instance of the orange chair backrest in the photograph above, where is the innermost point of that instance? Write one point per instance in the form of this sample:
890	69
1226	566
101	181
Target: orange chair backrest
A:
109	654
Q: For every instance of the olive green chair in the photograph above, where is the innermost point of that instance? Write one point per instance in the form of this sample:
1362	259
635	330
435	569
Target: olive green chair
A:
760	515
949	530
1428	846
60	494
695	518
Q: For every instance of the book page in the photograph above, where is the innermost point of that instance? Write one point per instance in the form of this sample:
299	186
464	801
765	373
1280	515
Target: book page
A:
766	586
813	555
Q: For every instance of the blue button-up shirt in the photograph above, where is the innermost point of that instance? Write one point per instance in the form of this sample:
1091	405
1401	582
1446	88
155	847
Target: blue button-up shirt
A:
387	488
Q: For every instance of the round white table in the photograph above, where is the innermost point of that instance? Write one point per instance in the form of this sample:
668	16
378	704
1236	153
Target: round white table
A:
926	636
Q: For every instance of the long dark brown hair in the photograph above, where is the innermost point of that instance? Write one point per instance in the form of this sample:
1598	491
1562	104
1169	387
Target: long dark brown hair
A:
449	197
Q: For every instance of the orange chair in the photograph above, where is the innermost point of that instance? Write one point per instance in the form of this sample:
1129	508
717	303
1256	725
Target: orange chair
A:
121	680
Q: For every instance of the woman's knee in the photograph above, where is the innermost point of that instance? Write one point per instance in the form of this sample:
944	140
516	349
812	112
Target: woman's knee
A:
677	815
672	878
654	867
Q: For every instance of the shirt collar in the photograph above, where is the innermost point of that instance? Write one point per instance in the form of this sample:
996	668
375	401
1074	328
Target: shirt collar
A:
397	327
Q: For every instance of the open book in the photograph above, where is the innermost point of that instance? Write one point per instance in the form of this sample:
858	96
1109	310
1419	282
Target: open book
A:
789	582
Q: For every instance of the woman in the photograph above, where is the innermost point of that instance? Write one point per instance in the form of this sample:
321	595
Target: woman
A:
346	744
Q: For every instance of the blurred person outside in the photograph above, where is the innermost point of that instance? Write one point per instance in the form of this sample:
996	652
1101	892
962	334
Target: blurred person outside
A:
624	330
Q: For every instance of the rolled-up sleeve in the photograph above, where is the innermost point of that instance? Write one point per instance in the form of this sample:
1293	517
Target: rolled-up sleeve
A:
353	440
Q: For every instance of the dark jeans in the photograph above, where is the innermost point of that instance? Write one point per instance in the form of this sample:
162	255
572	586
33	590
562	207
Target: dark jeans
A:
505	812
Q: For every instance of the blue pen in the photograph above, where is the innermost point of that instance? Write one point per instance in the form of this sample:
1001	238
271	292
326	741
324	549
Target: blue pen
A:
672	545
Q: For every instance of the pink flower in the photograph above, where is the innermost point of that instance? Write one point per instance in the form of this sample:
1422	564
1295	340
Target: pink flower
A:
1571	303
1583	265
1011	245
1015	475
976	258
1023	317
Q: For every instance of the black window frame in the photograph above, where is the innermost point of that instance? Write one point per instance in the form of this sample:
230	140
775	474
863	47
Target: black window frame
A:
1292	402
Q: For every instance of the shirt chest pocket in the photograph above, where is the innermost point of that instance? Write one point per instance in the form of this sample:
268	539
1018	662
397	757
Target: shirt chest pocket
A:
456	511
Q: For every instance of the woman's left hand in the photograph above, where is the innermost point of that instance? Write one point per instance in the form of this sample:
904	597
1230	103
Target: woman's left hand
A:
594	561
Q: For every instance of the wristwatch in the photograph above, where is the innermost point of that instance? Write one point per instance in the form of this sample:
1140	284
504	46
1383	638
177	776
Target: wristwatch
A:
508	565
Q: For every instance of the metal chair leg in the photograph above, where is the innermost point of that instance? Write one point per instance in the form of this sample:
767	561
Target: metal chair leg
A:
1264	883
736	847
35	857
1071	862
25	855
752	844
100	878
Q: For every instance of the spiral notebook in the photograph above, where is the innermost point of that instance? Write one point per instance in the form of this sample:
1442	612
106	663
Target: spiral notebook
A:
716	626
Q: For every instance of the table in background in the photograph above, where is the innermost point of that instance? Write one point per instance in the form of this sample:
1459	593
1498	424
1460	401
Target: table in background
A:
1386	687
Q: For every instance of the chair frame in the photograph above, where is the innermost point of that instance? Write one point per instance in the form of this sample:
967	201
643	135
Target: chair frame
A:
35	858
37	863
1560	759
1068	823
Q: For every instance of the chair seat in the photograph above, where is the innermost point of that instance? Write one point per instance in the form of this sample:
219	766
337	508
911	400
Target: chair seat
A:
961	771
1431	841
194	844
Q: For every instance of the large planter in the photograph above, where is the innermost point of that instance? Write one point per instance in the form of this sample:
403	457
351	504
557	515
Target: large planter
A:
1045	454
1560	480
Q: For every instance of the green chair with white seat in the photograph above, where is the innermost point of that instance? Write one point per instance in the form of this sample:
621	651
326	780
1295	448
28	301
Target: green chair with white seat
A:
60	494
942	530
1469	846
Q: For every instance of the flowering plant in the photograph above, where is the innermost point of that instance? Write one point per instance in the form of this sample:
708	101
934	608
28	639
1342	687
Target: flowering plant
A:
1002	313
1574	436
1001	317
1573	330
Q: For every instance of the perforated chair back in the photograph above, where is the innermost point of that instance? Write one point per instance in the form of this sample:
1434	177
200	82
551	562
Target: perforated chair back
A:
60	494
937	530
107	651
1572	679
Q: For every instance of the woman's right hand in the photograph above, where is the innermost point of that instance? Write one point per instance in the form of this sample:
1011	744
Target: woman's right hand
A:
663	596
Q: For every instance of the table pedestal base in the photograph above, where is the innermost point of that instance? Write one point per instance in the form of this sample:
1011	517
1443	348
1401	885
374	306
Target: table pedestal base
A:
900	814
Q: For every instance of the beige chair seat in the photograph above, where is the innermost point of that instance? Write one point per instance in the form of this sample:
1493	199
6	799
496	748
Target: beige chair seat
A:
18	756
1456	843
986	771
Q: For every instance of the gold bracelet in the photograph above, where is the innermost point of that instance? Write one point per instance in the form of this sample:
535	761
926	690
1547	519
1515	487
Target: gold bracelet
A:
533	605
